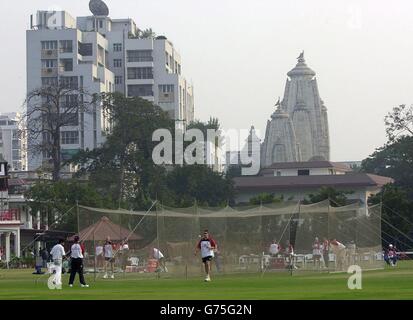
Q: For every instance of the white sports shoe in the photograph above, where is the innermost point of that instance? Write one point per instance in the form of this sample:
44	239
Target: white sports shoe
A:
71	285
112	276
105	276
207	279
84	286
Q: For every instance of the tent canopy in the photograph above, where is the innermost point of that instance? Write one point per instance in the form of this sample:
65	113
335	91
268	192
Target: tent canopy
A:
105	228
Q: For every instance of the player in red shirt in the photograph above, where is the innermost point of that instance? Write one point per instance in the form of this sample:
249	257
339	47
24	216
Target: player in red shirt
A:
207	246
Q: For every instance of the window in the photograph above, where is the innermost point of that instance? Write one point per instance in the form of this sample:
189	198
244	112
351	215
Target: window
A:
3	123
117	47
69	101
142	90
86	49
15	134
70	119
166	93
117	63
139	55
66	46
167	58
49	81
101	24
118	80
69	82
70	137
16	154
278	173
49	45
49	63
166	88
66	64
140	73
15	144
305	172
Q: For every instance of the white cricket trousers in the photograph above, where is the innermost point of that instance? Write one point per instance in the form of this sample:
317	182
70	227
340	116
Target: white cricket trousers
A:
58	271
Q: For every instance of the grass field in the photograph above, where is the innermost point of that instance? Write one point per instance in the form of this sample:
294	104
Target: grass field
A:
391	283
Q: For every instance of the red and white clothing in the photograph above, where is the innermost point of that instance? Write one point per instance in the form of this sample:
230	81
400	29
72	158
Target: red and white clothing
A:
207	247
325	246
76	251
317	248
289	249
338	245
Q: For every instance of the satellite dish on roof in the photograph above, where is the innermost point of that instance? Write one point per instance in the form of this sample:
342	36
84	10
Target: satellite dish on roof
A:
98	8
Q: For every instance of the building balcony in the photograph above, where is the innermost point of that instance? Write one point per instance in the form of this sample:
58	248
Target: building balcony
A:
49	54
10	216
49	72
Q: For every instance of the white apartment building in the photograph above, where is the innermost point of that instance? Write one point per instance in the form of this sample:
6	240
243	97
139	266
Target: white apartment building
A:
99	55
13	144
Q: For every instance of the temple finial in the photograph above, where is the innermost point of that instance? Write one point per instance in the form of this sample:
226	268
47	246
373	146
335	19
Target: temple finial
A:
301	57
278	104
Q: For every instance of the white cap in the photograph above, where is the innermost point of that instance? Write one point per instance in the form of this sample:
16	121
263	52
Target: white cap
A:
390	245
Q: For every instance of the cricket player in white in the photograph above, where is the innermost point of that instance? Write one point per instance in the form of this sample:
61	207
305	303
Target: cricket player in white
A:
58	252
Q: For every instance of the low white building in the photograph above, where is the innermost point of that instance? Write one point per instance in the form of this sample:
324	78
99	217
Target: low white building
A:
13	144
296	180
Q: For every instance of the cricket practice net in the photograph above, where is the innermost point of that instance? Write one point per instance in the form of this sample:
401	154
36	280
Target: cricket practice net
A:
282	236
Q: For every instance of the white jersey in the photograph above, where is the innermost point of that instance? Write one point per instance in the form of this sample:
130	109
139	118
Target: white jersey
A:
108	250
206	248
76	251
157	254
58	252
274	248
99	250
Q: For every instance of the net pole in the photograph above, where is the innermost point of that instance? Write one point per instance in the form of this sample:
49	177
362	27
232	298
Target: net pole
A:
94	249
158	276
78	220
327	263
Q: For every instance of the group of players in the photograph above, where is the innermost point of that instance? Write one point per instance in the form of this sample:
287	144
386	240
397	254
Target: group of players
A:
206	246
320	252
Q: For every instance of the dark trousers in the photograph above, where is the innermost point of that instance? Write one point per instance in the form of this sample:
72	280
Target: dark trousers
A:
326	259
77	267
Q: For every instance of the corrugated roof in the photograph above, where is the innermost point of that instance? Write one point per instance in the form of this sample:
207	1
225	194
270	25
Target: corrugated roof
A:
309	165
290	182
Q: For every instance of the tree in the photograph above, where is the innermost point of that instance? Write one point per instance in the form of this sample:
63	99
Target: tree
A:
264	198
49	110
147	34
397	215
394	160
198	183
57	198
337	198
123	166
399	122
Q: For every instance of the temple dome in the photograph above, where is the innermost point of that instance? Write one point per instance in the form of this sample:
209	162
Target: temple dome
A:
301	69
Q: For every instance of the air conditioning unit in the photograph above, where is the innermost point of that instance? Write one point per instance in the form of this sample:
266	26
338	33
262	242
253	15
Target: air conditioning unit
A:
49	52
49	70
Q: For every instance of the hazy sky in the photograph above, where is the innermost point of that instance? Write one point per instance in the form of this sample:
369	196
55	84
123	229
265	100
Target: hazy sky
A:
237	54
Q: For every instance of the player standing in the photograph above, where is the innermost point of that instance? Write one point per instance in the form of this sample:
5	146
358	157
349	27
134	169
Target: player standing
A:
109	258
207	246
57	253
